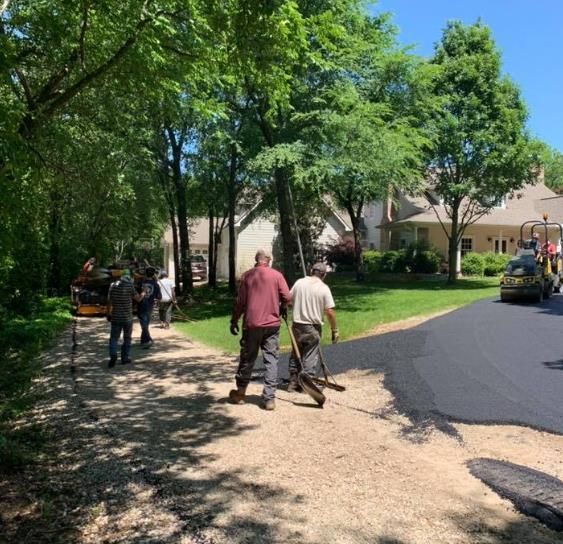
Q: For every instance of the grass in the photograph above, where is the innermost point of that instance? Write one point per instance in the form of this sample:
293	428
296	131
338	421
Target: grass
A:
359	307
22	338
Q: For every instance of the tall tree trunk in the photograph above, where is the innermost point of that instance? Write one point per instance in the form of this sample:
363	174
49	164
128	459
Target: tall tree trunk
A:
358	259
232	193
232	241
288	238
55	235
453	245
281	181
165	178
216	239
181	203
176	251
211	251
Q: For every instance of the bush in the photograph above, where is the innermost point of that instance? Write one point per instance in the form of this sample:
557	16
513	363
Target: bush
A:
426	262
372	261
472	264
394	261
422	258
495	263
341	255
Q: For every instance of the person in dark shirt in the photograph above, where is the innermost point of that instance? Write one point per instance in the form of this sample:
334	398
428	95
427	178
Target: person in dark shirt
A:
151	290
262	290
121	295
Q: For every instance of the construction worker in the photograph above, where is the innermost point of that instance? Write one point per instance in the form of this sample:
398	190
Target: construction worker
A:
312	300
168	292
121	295
263	294
88	266
149	286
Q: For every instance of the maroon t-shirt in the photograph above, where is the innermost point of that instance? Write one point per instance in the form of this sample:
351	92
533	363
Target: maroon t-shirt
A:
261	290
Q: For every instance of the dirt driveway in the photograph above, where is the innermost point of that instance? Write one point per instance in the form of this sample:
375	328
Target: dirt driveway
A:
153	453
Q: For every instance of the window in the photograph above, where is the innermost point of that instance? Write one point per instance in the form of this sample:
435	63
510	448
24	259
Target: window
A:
500	245
204	251
466	245
197	252
423	234
498	202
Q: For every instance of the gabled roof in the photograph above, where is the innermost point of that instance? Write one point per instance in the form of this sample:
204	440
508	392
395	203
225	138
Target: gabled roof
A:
527	203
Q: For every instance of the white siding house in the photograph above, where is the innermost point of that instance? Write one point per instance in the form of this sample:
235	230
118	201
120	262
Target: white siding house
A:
251	233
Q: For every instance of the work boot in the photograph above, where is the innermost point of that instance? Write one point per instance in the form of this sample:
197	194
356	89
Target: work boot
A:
293	385
269	404
236	396
111	363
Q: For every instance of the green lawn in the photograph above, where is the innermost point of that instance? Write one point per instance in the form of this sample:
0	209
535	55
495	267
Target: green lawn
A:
359	307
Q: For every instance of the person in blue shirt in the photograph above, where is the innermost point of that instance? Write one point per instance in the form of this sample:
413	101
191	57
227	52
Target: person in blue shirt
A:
149	286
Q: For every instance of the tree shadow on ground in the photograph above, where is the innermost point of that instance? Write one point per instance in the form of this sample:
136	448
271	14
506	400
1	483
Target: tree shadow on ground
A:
138	450
485	527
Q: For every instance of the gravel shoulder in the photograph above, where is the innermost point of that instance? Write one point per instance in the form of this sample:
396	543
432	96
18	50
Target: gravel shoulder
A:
152	452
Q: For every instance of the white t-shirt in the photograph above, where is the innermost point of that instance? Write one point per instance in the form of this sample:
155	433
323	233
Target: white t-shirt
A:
166	289
310	298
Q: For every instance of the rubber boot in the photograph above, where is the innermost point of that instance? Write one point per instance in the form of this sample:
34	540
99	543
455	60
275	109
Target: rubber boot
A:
236	396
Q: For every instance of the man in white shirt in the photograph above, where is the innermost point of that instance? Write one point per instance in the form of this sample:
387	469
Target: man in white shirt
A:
167	290
311	300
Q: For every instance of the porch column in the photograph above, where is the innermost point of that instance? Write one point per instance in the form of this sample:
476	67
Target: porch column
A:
458	264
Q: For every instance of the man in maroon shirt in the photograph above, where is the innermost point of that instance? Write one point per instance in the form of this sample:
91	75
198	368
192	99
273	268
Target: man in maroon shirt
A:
262	290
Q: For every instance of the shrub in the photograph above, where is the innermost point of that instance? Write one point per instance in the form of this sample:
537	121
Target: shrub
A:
472	264
422	258
393	261
426	262
372	261
341	255
495	263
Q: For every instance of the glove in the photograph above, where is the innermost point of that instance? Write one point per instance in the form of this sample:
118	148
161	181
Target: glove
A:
108	317
283	313
234	328
334	336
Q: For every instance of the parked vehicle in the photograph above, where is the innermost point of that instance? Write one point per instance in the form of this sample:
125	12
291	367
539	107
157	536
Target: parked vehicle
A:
89	291
199	267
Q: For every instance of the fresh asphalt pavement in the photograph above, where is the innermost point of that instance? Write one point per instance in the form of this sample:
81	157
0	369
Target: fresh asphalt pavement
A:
489	362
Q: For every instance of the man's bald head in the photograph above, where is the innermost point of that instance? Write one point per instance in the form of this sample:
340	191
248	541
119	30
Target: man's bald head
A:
263	256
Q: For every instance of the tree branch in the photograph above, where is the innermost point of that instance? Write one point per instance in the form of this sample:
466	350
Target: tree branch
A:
4	7
26	89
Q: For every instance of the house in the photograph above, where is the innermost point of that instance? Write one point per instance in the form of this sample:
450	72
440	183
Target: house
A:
413	218
255	230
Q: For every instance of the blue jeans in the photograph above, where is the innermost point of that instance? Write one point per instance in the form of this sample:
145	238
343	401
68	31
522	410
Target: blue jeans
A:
116	328
145	320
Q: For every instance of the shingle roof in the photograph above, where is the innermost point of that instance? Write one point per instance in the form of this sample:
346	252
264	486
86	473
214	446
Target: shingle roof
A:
528	203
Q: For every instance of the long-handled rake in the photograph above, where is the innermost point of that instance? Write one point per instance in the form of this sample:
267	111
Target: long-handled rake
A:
305	381
327	374
180	315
